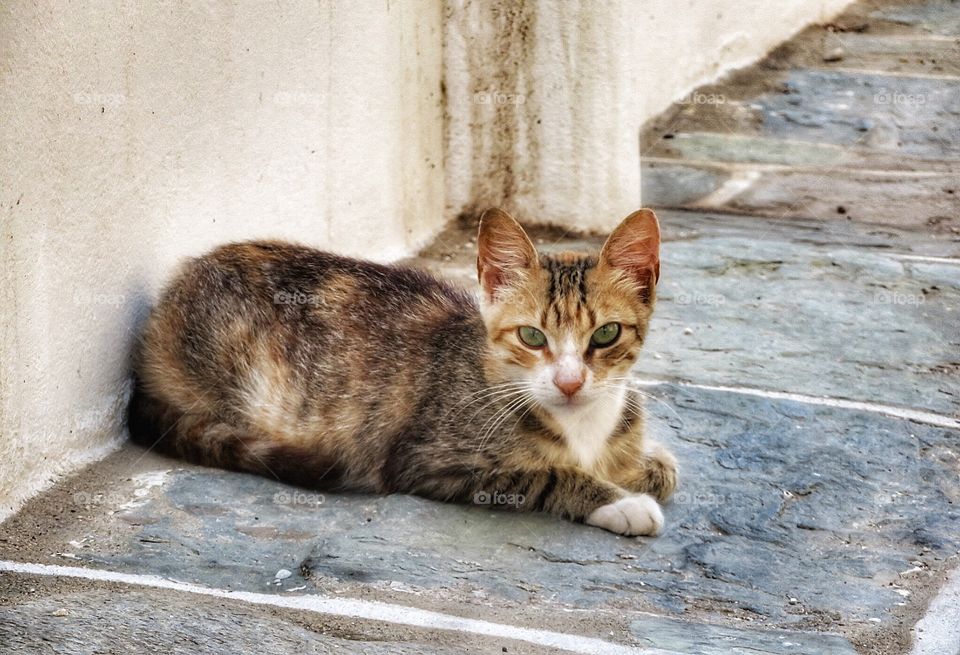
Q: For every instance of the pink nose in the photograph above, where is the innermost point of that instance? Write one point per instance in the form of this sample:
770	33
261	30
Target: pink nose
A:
569	385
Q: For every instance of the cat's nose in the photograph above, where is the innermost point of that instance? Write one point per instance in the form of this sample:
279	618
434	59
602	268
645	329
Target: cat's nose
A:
568	384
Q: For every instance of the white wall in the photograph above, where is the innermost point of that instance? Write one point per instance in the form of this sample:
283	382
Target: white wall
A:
135	133
687	43
545	100
543	109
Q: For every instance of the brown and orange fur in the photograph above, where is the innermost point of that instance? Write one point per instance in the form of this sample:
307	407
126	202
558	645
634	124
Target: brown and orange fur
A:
342	374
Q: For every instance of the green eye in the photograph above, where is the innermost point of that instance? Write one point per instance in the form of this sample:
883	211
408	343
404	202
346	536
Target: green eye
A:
605	335
532	337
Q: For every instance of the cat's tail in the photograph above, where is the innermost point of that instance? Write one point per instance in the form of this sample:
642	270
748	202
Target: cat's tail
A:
149	421
160	427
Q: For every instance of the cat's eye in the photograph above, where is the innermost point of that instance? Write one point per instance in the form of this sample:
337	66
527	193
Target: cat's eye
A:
605	335
532	337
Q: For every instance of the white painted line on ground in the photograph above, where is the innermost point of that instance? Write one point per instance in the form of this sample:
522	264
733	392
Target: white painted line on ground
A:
349	607
916	415
938	632
897	74
925	258
914	37
846	167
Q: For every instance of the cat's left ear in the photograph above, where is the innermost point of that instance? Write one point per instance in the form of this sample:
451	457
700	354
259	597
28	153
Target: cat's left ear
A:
504	252
634	248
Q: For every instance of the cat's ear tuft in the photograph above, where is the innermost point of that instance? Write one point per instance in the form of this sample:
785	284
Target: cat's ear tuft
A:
634	248
504	252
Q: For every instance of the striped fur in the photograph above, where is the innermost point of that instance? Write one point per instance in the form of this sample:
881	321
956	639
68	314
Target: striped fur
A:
337	373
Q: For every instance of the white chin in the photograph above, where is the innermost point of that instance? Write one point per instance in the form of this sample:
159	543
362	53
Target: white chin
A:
567	405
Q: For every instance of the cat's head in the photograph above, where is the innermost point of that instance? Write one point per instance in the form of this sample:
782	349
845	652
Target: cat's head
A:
567	327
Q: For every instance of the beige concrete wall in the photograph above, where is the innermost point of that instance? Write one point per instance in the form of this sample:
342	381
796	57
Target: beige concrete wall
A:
545	100
135	133
687	43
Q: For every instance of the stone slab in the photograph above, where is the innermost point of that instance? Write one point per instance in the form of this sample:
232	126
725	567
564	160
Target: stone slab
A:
789	515
680	185
913	116
819	192
932	16
138	622
725	147
905	53
773	153
711	639
808	309
879	199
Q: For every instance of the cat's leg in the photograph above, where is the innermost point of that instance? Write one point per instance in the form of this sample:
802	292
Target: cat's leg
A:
654	472
569	493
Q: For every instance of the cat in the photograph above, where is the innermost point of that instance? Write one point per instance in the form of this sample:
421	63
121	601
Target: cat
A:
342	374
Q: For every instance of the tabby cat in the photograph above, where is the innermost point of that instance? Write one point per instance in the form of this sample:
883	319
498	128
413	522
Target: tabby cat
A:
342	374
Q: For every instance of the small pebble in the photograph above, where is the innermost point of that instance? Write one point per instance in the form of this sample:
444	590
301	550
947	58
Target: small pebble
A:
282	574
794	601
60	612
834	55
688	330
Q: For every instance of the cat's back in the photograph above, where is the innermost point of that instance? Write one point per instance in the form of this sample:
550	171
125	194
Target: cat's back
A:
287	282
275	357
298	275
276	314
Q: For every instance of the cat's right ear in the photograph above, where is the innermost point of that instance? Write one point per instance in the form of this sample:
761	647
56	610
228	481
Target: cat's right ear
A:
504	252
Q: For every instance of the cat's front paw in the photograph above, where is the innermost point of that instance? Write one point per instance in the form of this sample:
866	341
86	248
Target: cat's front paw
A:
631	515
655	474
663	474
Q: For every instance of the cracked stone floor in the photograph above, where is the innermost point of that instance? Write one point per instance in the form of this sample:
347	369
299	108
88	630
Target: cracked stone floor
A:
804	364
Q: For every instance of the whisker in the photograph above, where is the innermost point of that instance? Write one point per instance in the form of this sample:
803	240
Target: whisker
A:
629	401
503	398
630	386
498	418
483	394
476	395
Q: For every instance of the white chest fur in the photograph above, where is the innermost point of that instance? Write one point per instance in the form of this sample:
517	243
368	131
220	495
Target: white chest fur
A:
587	429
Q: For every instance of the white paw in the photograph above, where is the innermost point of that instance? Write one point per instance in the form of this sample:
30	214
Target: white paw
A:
632	515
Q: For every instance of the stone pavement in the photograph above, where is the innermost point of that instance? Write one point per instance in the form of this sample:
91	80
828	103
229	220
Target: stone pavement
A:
804	364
